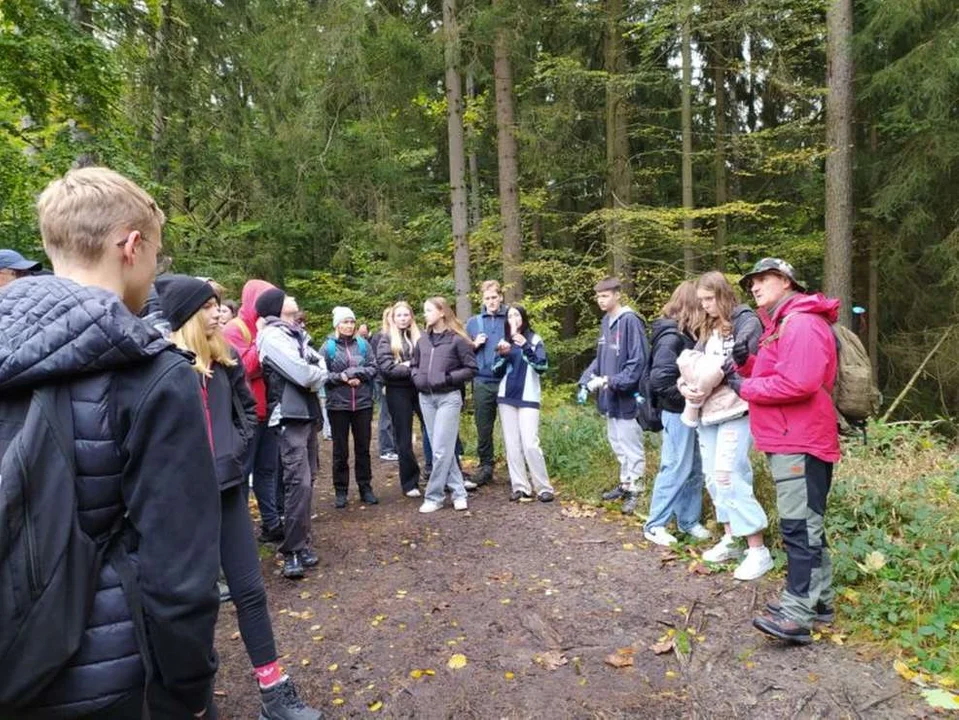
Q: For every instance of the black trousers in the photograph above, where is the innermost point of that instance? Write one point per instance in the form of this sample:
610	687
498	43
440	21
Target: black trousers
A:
404	402
360	423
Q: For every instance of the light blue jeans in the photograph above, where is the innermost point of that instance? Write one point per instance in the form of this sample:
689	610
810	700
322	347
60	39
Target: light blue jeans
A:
678	487
729	475
442	414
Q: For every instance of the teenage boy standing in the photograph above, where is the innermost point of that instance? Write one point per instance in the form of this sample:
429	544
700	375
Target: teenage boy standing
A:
486	330
614	374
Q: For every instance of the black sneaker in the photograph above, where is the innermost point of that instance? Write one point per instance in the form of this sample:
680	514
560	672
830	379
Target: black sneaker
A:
281	702
368	497
824	613
616	493
630	500
308	558
292	567
271	535
340	501
483	476
518	496
782	628
546	496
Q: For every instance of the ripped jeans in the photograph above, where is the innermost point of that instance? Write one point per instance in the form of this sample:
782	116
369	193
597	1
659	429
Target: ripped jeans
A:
729	475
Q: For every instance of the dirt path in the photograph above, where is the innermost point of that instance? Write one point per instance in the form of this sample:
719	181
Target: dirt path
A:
536	599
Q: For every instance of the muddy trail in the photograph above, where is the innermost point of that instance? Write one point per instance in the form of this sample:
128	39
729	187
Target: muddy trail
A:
539	604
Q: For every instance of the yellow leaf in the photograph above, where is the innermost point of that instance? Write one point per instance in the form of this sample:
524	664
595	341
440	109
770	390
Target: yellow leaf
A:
905	672
670	673
506	601
304	662
508	675
318	638
375	707
235	636
354	649
305	595
838	639
416	674
431	673
337	688
338	701
817	636
333	668
457	662
315	628
628	546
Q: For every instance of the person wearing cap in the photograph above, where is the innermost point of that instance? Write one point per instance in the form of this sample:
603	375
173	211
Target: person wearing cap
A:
294	373
192	309
349	403
621	354
788	385
13	265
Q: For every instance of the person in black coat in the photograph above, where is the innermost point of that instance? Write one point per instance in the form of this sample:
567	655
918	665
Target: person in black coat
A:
678	487
192	309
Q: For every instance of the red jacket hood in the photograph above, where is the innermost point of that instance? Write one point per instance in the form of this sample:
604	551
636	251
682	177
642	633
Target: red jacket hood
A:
251	292
817	304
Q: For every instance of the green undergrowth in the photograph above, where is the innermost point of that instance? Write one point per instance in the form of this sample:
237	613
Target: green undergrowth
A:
892	524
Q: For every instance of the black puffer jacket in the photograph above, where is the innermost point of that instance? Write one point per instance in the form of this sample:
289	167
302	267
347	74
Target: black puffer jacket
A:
349	358
393	371
668	342
141	448
442	362
233	419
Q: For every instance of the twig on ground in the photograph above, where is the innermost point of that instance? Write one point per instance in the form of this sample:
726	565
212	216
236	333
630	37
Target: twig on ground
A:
689	612
850	703
803	701
880	701
752	603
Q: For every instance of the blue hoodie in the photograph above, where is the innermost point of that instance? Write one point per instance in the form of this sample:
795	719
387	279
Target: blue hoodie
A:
621	355
494	327
520	387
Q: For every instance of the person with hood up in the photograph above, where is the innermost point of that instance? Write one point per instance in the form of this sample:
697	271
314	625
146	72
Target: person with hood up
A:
192	308
678	487
621	354
349	403
262	456
788	385
724	439
293	374
140	449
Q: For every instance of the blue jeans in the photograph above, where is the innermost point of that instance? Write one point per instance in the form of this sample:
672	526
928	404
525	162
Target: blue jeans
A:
442	414
729	475
262	460
678	487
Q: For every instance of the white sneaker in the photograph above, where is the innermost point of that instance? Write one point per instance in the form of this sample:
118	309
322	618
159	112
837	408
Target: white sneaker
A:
459	503
415	492
725	549
389	457
660	536
429	506
470	485
698	532
757	563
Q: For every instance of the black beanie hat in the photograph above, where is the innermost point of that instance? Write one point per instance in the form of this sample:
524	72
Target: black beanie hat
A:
181	296
270	303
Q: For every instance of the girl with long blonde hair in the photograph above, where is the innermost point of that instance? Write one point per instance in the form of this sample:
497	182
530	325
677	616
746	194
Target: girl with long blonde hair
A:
443	362
394	357
192	308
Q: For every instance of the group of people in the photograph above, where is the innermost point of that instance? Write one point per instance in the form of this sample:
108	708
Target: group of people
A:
722	379
170	403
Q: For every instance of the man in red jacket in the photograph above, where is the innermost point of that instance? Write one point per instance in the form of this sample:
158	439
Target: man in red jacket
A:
788	385
262	461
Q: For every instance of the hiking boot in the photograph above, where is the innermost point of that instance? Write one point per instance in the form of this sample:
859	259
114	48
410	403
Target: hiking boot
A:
757	563
660	536
546	496
367	496
281	702
616	493
470	485
292	567
271	535
308	558
782	628
698	532
630	501
824	613
340	501
725	549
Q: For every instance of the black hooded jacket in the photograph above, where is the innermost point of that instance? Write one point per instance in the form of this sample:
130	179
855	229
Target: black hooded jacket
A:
142	449
667	343
232	420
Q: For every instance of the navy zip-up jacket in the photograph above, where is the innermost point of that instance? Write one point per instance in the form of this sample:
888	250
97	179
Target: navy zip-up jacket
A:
621	354
494	326
520	370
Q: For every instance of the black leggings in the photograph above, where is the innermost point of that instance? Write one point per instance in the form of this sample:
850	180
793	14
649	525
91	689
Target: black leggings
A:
240	561
403	402
359	422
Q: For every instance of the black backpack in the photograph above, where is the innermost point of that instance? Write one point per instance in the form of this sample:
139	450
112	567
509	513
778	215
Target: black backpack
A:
49	567
648	414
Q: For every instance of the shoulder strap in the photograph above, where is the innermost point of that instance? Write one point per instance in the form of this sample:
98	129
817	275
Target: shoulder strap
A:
330	349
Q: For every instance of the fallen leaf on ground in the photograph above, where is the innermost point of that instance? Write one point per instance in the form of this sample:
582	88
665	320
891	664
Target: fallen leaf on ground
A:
508	675
628	546
699	568
333	667
235	636
457	662
219	693
354	649
668	557
551	659
305	595
375	707
938	698
664	646
623	657
338	701
304	662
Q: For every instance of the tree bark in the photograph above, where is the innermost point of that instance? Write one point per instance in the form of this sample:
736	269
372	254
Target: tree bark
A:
508	165
618	175
160	95
476	210
722	192
839	162
689	258
872	309
457	152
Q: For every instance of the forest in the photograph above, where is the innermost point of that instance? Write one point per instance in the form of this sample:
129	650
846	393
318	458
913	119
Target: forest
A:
359	151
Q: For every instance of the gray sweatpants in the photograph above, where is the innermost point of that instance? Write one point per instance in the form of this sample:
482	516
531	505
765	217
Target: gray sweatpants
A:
441	411
297	484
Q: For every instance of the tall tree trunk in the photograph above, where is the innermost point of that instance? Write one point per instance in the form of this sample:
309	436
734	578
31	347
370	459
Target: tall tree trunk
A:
508	165
872	310
722	194
457	139
839	140
618	176
80	14
476	211
161	165
689	259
